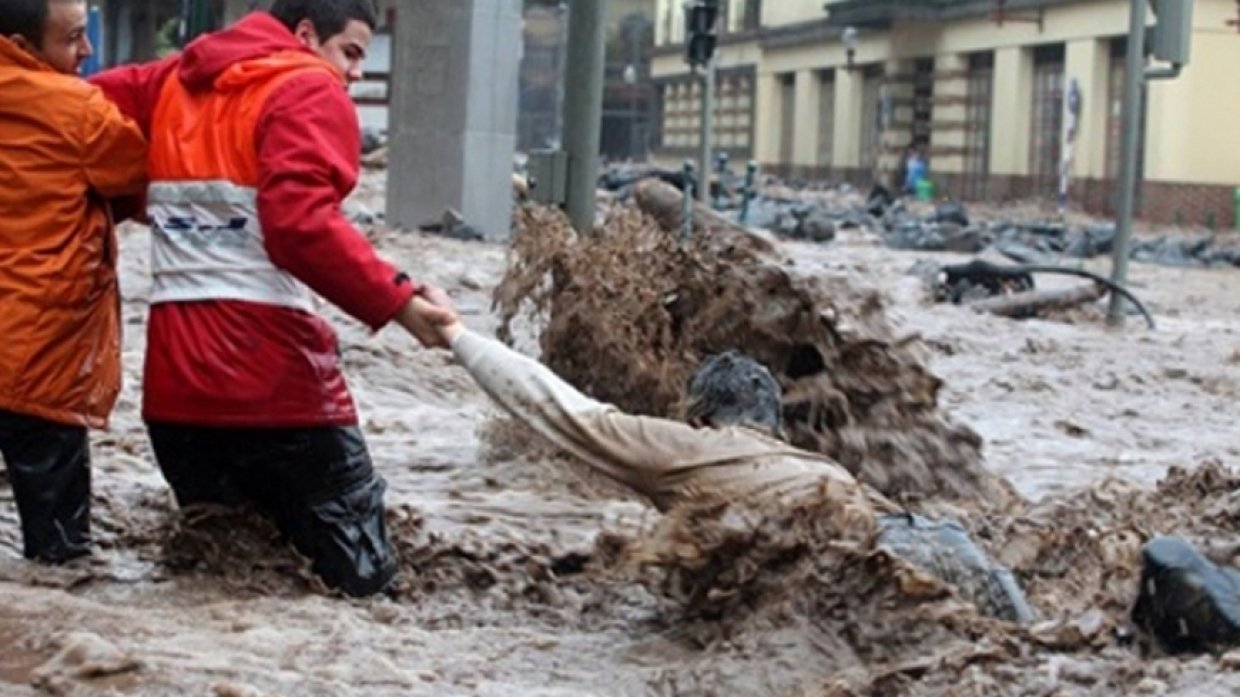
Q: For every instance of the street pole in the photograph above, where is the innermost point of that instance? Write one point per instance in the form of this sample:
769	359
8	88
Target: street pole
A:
583	108
1134	79
686	203
707	129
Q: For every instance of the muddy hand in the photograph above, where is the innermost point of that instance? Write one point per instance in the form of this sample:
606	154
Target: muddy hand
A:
450	330
425	315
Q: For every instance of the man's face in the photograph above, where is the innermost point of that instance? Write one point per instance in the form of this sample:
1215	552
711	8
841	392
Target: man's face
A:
65	44
346	50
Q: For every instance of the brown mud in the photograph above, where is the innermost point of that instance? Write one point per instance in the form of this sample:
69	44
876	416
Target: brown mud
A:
631	313
522	574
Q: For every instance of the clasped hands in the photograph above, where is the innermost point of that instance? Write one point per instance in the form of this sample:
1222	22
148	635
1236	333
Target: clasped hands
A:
430	318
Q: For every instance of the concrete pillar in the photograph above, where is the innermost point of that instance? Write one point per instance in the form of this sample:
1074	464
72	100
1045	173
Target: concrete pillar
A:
951	112
767	118
1087	61
849	92
805	131
452	125
1011	111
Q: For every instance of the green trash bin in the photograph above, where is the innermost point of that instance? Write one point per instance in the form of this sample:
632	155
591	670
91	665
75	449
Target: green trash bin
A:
924	190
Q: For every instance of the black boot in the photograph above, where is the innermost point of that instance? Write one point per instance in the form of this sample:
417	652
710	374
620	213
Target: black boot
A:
49	469
1186	602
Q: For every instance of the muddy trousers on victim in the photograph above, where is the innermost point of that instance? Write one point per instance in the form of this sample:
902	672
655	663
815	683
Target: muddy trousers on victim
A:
316	484
48	465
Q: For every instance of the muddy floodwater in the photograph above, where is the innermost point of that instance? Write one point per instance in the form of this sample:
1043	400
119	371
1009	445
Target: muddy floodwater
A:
513	579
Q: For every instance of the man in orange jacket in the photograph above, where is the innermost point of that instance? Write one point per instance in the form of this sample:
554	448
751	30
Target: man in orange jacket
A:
254	145
64	151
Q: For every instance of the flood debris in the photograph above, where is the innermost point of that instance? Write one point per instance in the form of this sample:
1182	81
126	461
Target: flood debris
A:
453	225
500	594
1009	291
945	227
82	657
630	312
372	140
1187	603
626	312
877	624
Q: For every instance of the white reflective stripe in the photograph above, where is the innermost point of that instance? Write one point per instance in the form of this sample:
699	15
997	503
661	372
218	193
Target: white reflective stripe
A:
208	245
202	192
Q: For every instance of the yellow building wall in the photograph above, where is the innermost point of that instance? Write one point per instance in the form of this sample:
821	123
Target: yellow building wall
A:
849	86
951	81
1011	111
805	136
780	12
669	22
1193	122
1088	62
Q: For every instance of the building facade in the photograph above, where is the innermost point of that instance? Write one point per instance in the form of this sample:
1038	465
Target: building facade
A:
627	91
978	85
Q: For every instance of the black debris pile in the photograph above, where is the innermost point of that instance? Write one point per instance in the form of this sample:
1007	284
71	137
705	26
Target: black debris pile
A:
818	214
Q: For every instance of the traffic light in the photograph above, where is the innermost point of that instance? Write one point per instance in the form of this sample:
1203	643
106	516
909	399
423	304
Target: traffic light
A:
700	39
1172	35
700	48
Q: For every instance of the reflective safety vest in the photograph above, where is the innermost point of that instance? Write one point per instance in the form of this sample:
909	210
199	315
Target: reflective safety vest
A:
203	199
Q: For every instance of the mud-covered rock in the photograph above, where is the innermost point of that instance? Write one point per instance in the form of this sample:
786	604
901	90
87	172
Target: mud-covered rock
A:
943	548
952	212
1186	602
817	227
1091	241
372	140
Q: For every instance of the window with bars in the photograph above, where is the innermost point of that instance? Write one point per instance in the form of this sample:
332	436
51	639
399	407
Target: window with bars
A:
1115	121
681	104
1046	136
752	18
923	101
787	117
1115	110
826	118
977	124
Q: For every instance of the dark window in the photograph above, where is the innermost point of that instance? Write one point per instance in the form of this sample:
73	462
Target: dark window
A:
977	125
826	118
753	15
788	117
1046	136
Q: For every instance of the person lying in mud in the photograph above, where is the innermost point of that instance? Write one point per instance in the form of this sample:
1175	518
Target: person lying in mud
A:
730	450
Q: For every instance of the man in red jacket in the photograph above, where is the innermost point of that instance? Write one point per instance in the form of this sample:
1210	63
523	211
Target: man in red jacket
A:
254	145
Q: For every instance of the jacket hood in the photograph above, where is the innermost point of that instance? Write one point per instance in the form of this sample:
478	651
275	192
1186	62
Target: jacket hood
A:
12	54
232	56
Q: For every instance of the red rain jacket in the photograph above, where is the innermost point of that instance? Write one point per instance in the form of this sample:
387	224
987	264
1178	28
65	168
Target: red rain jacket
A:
253	107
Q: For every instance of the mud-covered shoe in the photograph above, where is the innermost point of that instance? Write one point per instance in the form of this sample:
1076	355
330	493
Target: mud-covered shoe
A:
944	549
1186	602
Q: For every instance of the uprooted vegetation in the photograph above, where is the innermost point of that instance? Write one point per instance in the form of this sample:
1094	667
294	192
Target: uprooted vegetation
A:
630	312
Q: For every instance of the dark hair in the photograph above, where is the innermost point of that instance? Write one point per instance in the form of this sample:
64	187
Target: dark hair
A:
25	18
329	17
733	389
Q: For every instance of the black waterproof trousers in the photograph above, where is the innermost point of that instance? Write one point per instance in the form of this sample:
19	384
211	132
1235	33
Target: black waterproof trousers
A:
48	465
317	485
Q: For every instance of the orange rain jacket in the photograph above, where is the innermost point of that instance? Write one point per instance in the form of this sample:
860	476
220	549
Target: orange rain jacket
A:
64	151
